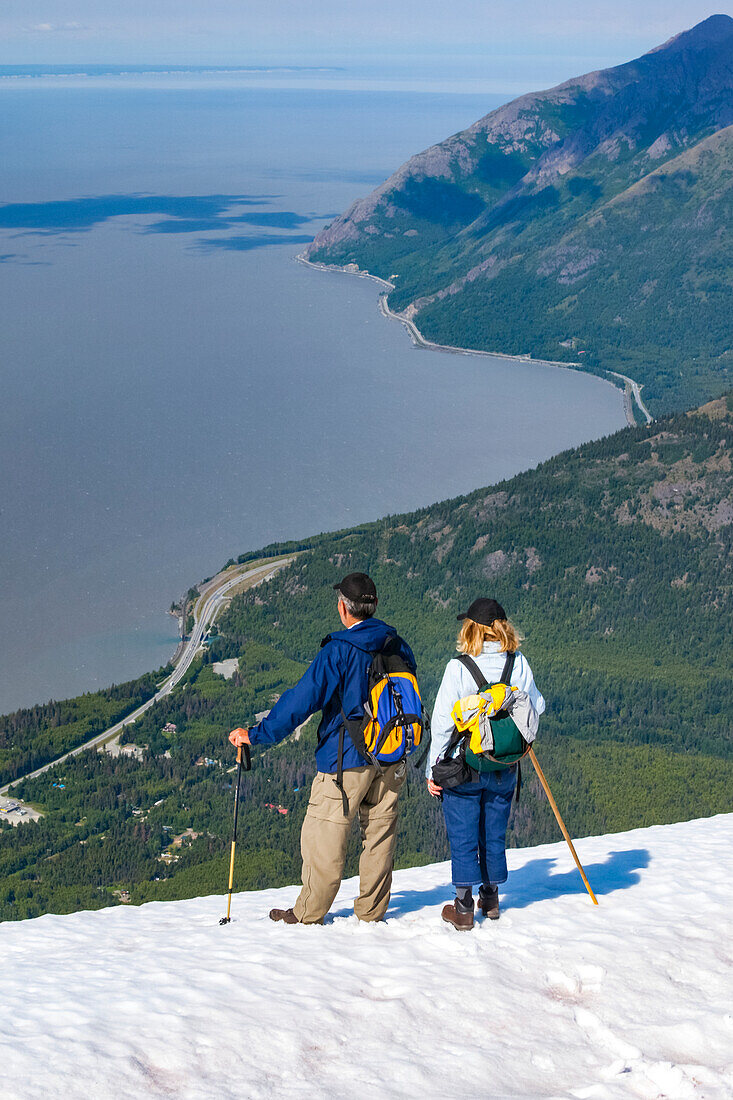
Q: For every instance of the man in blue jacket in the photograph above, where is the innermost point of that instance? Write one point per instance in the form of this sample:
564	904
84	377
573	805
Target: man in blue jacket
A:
336	681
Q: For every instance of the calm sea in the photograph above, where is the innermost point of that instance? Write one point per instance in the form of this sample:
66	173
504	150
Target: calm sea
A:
176	389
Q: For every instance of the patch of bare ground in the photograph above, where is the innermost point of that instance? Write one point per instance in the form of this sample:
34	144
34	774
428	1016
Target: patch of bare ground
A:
499	561
694	497
444	548
435	595
496	563
714	410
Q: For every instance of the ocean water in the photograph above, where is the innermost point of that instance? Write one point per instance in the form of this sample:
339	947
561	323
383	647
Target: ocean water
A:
177	389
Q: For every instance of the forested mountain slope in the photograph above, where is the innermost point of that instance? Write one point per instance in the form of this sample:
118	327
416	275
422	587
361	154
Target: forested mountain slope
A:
588	223
614	559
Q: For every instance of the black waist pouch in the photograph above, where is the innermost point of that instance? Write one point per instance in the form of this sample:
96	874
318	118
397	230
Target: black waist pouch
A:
451	773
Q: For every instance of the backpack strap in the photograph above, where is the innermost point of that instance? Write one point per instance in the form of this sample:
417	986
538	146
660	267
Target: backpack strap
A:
457	737
390	645
355	729
505	677
470	664
427	735
508	667
481	681
340	768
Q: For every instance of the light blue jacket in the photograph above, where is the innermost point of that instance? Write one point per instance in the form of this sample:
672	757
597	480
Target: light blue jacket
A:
458	681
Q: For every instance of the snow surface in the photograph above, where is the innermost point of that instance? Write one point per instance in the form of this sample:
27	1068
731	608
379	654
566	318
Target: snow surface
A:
630	999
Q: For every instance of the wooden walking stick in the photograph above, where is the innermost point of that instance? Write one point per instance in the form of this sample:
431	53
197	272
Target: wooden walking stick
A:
227	918
561	823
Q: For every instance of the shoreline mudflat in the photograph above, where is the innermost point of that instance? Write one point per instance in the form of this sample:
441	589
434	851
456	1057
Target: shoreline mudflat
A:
631	389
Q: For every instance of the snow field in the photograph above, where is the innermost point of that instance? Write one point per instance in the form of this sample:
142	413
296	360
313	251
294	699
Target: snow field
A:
558	999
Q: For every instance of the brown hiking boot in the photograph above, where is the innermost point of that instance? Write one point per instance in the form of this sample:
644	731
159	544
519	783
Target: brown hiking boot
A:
462	921
287	916
488	903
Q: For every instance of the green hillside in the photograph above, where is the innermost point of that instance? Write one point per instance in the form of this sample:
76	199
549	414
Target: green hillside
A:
614	559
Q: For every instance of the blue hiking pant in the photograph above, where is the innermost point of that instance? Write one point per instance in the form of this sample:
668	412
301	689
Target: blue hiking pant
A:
476	817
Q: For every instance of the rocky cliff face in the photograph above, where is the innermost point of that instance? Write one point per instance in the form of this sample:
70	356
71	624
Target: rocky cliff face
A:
622	175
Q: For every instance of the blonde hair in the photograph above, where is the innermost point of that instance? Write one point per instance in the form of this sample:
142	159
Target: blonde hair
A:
472	635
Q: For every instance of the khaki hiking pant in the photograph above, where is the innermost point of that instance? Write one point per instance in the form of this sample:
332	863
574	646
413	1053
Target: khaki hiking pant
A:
325	836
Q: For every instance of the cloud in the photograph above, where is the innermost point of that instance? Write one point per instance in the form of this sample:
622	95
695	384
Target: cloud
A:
56	28
521	43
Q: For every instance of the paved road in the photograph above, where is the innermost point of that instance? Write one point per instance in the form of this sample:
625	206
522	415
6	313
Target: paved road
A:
636	391
206	609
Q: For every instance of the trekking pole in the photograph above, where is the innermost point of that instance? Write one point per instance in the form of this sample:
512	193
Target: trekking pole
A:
227	918
561	823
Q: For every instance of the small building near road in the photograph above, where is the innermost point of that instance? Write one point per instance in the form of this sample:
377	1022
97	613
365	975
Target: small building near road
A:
16	812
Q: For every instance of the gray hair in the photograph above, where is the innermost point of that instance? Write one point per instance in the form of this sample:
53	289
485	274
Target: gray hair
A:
361	609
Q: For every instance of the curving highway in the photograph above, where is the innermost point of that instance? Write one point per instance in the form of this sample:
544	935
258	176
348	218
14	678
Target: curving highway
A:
207	607
635	390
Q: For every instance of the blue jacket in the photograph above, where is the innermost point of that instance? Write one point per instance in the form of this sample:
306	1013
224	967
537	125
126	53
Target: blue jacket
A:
337	677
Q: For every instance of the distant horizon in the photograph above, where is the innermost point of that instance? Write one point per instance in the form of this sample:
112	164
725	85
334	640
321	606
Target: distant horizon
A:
500	46
449	79
453	80
160	66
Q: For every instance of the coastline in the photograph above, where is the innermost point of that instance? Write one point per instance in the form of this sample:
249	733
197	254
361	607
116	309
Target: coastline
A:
213	595
631	390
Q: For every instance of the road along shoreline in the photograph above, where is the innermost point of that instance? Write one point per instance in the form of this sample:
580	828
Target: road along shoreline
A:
213	595
630	389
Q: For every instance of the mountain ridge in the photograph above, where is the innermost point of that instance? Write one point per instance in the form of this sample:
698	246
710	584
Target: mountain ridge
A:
713	28
489	202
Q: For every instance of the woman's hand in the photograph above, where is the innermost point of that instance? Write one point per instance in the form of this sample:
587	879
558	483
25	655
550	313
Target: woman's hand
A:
239	737
434	789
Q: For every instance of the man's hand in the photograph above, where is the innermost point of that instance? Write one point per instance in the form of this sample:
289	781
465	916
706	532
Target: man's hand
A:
434	789
239	737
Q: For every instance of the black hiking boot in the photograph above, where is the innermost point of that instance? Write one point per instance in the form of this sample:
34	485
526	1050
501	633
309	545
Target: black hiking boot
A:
488	902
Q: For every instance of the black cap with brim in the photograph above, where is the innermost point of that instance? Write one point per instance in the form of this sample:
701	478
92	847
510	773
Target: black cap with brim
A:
358	587
484	612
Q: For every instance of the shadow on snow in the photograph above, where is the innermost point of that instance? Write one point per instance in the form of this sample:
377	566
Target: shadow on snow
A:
535	881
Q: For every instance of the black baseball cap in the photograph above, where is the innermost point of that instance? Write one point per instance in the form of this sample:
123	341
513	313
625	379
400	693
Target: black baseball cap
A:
484	611
358	587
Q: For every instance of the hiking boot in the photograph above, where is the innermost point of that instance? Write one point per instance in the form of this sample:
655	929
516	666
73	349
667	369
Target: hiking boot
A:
460	918
488	902
287	916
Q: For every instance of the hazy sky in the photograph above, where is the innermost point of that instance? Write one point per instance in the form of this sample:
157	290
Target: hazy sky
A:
521	40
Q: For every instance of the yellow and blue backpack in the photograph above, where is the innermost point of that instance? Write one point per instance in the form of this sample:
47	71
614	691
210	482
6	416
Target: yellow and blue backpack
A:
395	723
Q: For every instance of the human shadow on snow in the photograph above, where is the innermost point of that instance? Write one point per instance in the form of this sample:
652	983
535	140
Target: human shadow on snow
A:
535	881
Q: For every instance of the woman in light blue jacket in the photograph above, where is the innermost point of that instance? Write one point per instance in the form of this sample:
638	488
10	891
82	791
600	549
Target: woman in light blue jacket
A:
477	811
